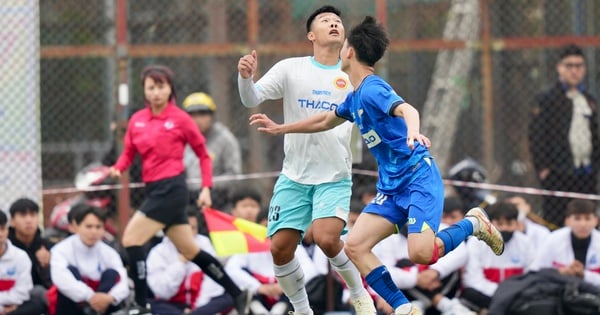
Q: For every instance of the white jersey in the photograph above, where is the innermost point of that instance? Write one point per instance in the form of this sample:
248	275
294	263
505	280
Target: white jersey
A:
15	276
307	88
485	270
558	252
180	282
91	262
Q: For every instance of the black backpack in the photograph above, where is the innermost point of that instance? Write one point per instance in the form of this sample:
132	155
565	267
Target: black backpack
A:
557	295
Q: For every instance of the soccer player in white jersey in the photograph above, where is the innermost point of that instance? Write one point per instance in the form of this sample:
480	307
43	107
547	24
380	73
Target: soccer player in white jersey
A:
314	186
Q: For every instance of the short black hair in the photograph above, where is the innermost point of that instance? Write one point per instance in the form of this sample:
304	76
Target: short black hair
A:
82	211
3	218
580	206
571	50
23	205
73	212
453	203
503	210
243	192
369	41
323	9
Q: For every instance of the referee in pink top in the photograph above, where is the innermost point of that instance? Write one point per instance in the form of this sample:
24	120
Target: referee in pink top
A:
159	133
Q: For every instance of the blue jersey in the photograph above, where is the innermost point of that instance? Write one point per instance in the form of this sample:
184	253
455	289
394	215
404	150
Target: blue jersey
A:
371	107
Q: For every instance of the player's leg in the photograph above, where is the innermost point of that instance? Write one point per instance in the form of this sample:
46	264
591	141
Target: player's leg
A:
425	244
370	228
138	231
331	202
288	218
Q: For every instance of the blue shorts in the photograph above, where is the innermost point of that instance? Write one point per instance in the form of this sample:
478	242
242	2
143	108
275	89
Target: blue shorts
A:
420	204
295	205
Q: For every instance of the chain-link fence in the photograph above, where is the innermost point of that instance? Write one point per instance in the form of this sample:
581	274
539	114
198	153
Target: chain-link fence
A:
472	67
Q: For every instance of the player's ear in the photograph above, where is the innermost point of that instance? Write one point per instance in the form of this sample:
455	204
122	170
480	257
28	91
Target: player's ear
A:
349	53
311	36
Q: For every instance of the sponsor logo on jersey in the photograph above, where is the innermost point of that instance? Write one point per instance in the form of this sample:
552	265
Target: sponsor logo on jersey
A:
340	83
139	124
317	104
169	125
321	92
371	138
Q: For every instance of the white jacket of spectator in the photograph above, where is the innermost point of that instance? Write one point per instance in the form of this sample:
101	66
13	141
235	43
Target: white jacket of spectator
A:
485	270
15	276
319	260
260	264
91	263
536	232
558	252
170	278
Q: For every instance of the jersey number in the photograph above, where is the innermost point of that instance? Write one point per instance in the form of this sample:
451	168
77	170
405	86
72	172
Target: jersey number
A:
274	213
379	199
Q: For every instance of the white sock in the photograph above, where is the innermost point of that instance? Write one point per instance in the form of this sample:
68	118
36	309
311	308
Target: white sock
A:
342	264
291	280
475	223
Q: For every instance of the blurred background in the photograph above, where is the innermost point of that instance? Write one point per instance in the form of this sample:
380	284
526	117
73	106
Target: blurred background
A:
471	67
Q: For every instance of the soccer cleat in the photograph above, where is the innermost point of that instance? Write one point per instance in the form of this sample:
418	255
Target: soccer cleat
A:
413	311
242	302
364	305
138	310
487	232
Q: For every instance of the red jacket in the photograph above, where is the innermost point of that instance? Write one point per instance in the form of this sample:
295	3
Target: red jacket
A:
160	140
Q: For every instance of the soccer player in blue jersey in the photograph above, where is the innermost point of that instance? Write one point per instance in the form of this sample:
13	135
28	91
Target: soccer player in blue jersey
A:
410	188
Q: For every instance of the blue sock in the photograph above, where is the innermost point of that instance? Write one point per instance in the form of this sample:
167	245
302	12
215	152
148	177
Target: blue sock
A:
455	234
380	280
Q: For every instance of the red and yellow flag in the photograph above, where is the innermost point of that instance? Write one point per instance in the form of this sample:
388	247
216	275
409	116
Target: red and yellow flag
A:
231	235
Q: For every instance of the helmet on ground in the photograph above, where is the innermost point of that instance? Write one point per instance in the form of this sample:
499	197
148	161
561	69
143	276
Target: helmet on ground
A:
199	102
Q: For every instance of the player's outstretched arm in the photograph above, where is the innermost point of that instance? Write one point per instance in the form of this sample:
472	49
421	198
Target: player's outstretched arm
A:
411	117
320	122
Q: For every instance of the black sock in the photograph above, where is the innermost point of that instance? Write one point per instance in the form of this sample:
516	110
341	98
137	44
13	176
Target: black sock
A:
137	270
213	268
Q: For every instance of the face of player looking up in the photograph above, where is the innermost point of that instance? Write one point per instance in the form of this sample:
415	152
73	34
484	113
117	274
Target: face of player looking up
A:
327	28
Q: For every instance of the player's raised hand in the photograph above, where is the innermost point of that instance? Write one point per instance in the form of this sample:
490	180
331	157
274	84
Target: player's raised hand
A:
248	64
265	124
